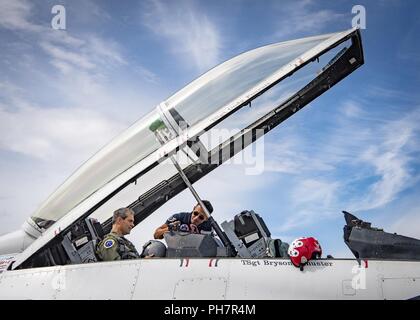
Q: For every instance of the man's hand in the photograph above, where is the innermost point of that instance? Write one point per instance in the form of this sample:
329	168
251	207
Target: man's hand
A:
194	228
174	226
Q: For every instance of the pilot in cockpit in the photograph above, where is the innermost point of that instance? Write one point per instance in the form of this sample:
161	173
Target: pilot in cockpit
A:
195	221
115	246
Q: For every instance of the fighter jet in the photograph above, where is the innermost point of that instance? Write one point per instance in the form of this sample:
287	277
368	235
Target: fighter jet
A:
53	255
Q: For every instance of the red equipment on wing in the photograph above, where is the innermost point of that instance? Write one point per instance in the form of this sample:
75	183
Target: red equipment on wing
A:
304	249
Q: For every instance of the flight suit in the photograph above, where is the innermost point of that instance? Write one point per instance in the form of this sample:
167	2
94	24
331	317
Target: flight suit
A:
115	247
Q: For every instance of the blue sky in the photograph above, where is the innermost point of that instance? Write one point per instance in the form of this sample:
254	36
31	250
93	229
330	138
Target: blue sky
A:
64	94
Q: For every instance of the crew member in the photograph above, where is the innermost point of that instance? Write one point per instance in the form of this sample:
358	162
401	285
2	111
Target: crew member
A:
194	221
115	246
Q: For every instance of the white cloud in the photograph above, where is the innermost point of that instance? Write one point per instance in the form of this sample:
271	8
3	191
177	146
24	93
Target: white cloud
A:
50	122
85	52
15	14
408	224
351	109
310	191
386	92
190	32
65	56
64	67
87	64
300	17
288	155
52	134
311	199
93	54
391	159
105	50
360	162
9	89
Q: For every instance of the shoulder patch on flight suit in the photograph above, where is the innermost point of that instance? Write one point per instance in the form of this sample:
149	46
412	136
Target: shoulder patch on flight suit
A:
109	243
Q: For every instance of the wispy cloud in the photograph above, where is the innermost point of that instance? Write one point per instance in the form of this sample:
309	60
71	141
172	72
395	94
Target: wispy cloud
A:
408	222
63	56
351	110
391	159
288	156
389	93
68	52
51	134
60	97
91	54
190	32
311	199
298	17
362	161
8	89
14	15
86	62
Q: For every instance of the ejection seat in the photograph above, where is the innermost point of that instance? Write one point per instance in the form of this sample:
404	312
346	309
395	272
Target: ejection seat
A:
78	245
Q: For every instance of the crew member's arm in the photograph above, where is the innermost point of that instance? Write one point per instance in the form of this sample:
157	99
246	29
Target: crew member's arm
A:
160	231
165	228
108	250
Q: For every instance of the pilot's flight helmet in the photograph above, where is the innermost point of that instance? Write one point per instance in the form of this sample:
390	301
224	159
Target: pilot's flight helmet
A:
304	249
154	248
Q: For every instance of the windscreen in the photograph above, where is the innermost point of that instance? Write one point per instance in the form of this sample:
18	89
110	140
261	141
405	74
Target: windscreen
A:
228	81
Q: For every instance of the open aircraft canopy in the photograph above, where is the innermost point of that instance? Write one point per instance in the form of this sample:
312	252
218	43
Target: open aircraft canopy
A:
188	113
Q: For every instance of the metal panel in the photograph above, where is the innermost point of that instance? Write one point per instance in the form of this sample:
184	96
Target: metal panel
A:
41	283
348	289
218	279
401	288
279	279
105	280
200	288
182	278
